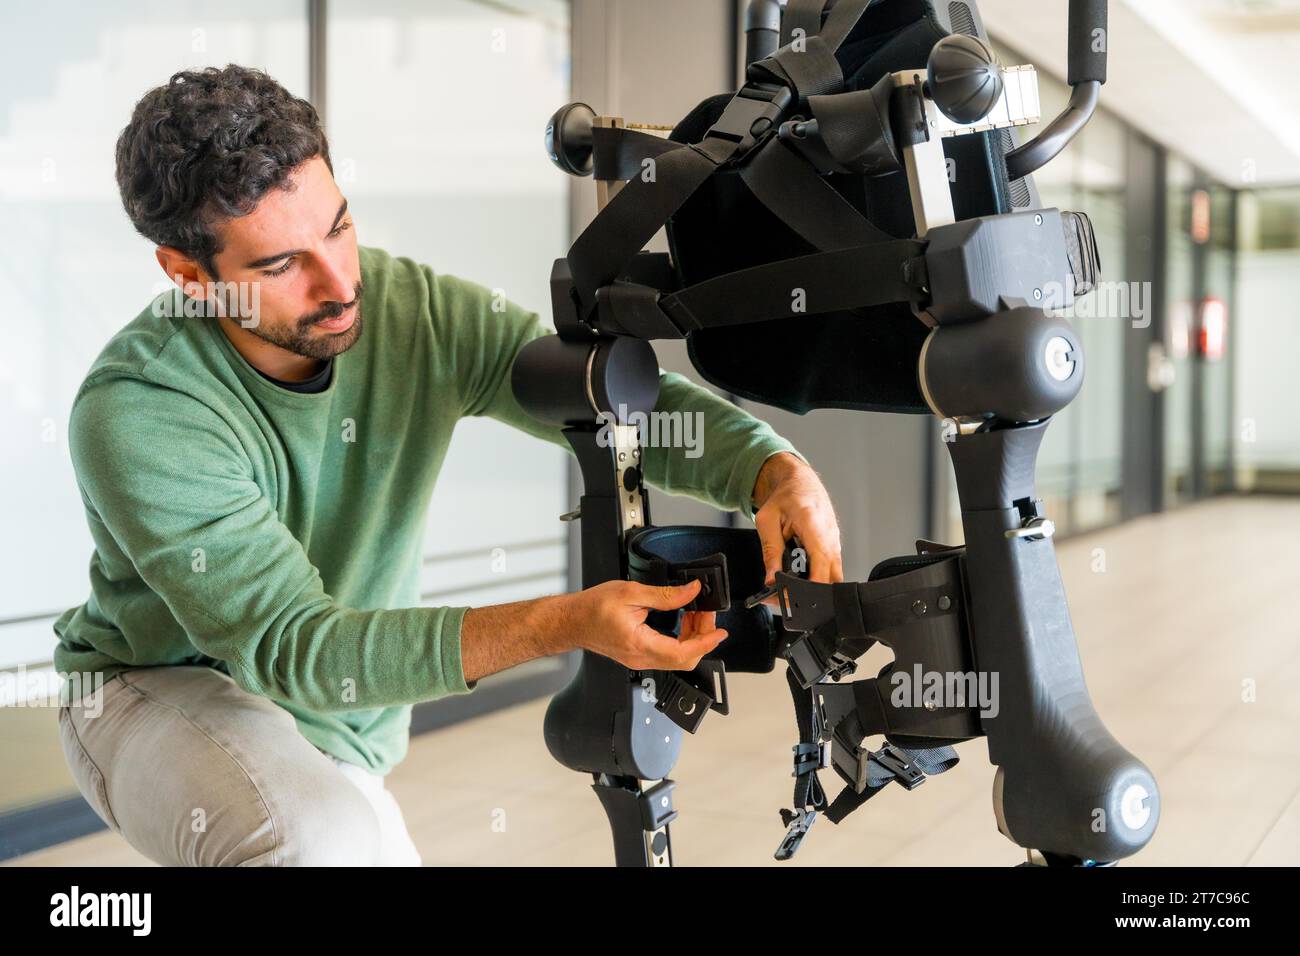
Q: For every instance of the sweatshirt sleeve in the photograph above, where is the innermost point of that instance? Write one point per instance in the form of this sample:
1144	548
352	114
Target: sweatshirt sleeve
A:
707	447
699	444
203	537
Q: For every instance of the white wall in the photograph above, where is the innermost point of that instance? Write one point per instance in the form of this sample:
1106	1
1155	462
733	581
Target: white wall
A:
72	269
435	113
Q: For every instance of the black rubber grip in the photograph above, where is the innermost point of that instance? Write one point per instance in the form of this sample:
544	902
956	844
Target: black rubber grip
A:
1089	38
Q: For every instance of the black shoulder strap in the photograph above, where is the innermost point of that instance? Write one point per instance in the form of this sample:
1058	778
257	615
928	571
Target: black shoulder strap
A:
809	70
802	15
601	253
806	15
802	199
620	153
844	16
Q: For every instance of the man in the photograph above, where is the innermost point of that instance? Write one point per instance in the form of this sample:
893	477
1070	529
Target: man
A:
256	490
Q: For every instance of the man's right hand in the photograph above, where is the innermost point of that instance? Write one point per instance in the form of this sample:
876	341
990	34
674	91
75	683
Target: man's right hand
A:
610	619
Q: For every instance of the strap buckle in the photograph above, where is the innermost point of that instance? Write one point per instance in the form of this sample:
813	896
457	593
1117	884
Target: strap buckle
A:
903	769
750	115
815	656
711	572
809	757
851	763
798	823
682	703
656	806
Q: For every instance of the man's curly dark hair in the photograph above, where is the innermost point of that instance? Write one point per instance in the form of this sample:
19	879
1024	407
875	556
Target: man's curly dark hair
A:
206	147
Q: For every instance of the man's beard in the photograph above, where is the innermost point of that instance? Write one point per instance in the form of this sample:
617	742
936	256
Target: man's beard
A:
298	337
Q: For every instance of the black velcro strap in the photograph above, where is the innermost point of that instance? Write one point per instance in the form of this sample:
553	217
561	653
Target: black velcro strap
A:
630	220
822	282
848	610
654	269
868	716
849	800
619	153
794	192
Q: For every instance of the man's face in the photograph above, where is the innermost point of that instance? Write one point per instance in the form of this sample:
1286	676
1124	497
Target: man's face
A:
300	246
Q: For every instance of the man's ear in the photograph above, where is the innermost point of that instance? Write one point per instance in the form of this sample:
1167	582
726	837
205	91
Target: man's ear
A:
185	271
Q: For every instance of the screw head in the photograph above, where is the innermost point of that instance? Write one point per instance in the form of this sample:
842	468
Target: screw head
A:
945	602
919	608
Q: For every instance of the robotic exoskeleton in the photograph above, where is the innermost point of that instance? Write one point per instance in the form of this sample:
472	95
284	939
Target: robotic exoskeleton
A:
868	163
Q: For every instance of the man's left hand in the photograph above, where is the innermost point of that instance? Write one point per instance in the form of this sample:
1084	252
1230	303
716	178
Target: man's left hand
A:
792	502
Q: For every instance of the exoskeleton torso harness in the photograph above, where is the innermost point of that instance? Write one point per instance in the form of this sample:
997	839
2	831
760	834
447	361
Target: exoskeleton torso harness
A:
853	228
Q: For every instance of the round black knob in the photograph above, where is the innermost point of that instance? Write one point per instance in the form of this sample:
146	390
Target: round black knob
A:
568	138
963	77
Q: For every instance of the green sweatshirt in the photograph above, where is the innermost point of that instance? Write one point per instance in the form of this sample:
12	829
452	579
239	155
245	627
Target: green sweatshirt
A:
277	536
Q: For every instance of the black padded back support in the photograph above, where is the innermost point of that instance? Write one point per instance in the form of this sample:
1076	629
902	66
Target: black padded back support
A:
864	359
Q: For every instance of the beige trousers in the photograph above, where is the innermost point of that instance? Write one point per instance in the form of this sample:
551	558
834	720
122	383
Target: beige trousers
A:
192	770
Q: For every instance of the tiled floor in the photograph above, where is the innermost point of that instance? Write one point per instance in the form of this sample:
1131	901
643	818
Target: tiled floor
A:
1190	607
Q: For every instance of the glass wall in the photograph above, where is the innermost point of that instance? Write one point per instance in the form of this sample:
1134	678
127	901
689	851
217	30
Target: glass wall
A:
1218	314
1199	317
435	112
1057	184
1205	331
1093	422
1080	462
1266	340
1180	317
72	272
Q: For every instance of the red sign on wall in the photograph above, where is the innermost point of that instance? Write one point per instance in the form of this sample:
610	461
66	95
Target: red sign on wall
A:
1213	338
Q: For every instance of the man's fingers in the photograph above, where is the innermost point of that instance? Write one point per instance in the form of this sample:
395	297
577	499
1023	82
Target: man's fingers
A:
661	652
819	567
768	524
666	597
690	650
696	622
